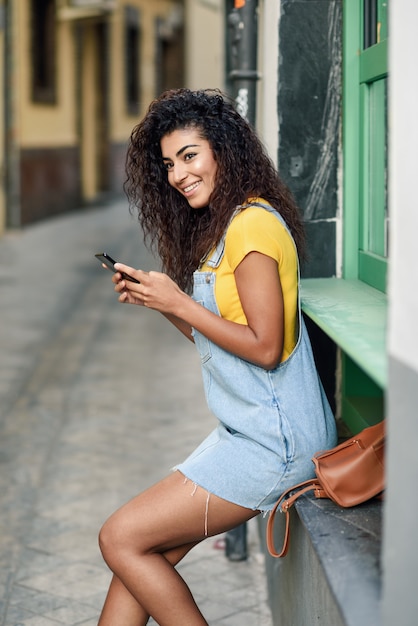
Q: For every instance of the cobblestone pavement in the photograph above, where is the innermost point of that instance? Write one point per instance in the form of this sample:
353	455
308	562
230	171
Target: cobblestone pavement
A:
98	401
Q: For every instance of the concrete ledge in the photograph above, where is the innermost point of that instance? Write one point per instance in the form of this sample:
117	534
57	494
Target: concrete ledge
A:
348	545
332	573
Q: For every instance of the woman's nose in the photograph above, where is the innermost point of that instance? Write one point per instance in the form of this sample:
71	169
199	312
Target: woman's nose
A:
179	172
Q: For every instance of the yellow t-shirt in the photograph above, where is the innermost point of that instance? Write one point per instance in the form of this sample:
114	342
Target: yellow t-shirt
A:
257	230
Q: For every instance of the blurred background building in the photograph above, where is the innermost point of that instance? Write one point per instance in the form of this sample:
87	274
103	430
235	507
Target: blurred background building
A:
78	75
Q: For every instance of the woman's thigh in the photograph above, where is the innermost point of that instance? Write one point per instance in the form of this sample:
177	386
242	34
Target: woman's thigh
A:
172	513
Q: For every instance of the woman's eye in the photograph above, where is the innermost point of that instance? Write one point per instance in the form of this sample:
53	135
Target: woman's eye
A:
189	156
167	166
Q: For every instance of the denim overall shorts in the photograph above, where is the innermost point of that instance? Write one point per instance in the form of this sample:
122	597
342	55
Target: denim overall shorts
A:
270	423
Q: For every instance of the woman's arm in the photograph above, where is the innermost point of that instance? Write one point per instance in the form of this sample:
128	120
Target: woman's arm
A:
259	289
182	326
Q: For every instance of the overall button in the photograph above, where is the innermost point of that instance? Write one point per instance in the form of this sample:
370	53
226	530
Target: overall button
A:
208	278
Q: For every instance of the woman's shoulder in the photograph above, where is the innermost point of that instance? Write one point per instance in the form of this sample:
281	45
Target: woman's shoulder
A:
254	218
256	229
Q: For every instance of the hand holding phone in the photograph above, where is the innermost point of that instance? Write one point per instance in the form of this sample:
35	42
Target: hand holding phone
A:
105	258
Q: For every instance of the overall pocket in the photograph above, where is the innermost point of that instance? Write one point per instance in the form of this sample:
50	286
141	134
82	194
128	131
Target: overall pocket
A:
203	346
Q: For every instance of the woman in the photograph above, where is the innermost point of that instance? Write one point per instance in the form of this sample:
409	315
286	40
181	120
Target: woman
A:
228	232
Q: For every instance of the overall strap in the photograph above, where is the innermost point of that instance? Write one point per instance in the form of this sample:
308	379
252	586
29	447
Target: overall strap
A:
216	256
269	208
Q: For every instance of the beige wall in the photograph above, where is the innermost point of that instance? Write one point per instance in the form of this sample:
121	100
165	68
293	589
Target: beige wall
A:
40	125
121	122
56	125
205	44
268	68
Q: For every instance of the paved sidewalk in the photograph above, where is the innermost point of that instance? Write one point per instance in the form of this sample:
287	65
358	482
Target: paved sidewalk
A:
98	401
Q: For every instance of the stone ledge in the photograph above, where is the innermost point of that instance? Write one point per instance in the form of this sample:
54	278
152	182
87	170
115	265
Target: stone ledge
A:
347	543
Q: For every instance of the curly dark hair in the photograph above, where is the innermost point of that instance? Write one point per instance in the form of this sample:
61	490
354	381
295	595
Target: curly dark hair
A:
182	236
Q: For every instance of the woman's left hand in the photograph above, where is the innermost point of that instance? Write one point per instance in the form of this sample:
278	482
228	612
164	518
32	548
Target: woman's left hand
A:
155	290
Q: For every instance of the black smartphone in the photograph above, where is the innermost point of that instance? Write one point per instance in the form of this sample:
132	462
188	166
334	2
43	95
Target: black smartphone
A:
105	258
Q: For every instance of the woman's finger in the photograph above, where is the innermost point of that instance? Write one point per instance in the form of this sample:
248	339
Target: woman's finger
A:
127	271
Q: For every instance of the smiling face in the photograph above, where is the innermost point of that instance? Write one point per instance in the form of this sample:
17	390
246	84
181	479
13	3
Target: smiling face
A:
190	165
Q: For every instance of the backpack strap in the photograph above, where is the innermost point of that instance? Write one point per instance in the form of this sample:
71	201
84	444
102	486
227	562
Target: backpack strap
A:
285	503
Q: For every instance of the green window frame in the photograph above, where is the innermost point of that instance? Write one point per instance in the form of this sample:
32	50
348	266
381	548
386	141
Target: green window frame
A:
365	76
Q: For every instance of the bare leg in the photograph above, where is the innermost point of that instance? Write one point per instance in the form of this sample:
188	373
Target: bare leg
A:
145	539
120	605
120	602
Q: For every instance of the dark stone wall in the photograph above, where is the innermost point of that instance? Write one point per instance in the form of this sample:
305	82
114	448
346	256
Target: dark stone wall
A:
309	108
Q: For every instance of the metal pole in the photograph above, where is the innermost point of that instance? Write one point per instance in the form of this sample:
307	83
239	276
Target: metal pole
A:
12	156
242	23
243	76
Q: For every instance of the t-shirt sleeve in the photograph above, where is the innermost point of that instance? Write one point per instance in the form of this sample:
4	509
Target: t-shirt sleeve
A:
254	230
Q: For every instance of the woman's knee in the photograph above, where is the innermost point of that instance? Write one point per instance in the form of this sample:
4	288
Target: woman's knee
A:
111	540
125	534
104	539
